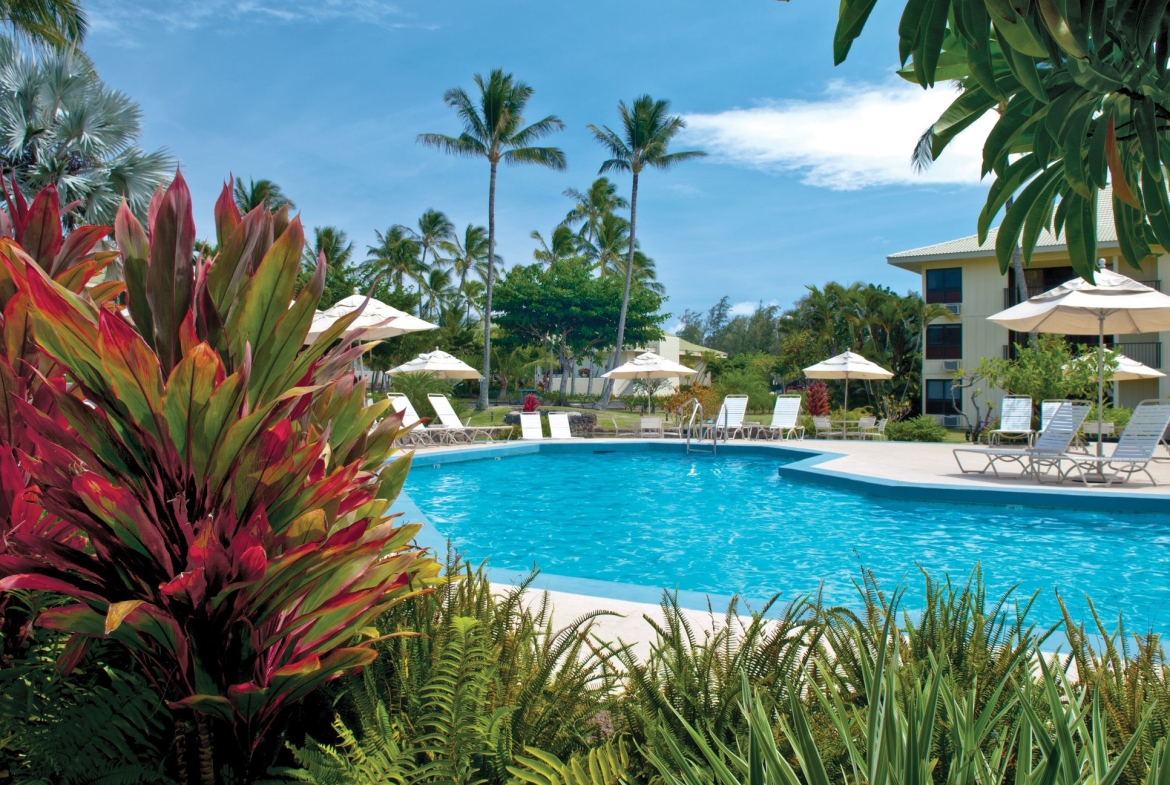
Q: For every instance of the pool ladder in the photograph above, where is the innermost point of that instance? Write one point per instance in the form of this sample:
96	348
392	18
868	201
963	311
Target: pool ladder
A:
697	412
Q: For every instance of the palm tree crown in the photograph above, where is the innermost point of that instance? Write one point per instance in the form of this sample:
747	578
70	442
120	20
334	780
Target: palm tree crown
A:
397	253
56	24
562	245
647	131
260	192
494	128
593	205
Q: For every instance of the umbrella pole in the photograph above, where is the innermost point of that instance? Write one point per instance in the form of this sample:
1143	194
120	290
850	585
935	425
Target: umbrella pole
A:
1100	378
845	414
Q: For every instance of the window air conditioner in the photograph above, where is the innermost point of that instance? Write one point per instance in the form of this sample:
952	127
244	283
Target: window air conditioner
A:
950	365
952	421
955	308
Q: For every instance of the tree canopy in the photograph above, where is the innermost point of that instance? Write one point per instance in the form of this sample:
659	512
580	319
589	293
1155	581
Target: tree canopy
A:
1083	92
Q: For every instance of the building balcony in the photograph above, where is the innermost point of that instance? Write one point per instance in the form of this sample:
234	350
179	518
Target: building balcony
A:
1145	352
1010	296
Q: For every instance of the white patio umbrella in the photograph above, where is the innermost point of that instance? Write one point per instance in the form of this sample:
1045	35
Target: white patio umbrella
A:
1112	304
649	366
847	365
440	364
373	316
1128	369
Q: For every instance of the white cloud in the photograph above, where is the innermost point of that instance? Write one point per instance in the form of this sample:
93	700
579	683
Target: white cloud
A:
748	307
856	136
116	15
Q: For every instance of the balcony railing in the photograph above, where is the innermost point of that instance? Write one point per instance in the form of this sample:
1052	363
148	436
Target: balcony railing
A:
1011	297
1146	352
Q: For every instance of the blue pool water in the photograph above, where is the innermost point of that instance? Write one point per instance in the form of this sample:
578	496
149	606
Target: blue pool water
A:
730	524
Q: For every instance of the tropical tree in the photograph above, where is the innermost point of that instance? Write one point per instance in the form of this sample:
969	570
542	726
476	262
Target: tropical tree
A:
62	126
396	255
331	246
610	244
562	245
494	128
436	291
646	133
260	192
1082	88
592	205
56	24
434	227
466	256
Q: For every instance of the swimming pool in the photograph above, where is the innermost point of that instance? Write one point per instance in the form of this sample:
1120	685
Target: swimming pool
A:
730	524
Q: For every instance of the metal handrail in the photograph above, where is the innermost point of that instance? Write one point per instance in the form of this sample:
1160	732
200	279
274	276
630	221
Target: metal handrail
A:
696	411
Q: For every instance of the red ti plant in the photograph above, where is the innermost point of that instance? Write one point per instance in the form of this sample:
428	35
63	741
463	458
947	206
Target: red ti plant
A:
531	403
27	375
232	485
816	399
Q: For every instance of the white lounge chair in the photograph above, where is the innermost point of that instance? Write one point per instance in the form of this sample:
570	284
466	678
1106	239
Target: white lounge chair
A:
785	419
454	428
420	434
1046	454
1047	410
651	428
728	421
530	427
558	426
1134	451
1015	420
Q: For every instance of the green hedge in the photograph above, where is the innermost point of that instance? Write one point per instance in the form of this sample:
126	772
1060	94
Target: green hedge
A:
918	429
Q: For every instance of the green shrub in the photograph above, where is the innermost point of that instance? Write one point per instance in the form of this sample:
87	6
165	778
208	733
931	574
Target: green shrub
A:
749	382
923	428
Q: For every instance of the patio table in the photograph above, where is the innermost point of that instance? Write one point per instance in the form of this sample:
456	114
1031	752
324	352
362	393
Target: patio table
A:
844	425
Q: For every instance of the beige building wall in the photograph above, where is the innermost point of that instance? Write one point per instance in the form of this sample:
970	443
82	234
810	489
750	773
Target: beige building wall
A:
983	295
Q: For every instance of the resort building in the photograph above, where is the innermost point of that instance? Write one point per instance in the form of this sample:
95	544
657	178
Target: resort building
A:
964	276
587	377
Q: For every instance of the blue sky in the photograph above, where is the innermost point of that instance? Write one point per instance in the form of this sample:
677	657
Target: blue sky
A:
808	179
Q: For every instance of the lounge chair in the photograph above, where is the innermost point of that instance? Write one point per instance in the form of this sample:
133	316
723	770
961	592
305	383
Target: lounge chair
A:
1015	420
558	426
1046	454
419	434
651	427
785	419
454	429
1047	410
1135	449
864	425
878	431
824	428
728	421
530	427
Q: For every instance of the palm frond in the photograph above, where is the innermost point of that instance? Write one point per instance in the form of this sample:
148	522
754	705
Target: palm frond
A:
551	157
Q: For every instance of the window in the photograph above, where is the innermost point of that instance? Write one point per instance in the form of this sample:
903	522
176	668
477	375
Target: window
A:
945	285
944	342
941	396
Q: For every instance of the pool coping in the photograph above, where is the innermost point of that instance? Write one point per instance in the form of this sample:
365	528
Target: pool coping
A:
805	466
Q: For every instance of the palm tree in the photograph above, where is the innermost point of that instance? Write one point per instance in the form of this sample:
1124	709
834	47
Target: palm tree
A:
562	245
260	192
611	243
593	205
396	254
435	291
466	255
433	228
472	291
647	130
494	129
54	24
332	244
61	125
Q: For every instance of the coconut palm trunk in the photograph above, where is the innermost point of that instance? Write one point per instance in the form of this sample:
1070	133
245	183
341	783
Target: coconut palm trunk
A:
607	392
485	385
